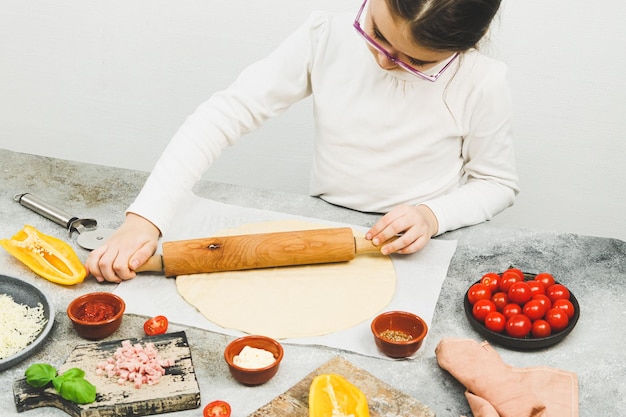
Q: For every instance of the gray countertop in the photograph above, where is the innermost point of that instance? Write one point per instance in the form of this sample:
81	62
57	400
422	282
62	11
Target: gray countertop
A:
593	268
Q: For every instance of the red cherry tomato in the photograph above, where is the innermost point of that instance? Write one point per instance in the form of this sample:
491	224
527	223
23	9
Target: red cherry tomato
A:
534	309
519	293
544	300
516	271
217	409
557	292
495	321
500	299
518	326
491	280
477	292
508	279
482	308
545	278
565	305
541	328
155	325
557	319
536	287
511	310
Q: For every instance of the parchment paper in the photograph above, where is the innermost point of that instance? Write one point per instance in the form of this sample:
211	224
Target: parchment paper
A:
419	277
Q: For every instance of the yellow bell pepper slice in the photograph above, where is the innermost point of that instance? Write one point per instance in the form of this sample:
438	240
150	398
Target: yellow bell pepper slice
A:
331	395
47	256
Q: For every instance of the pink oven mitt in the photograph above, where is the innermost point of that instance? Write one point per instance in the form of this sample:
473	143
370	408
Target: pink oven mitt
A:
495	389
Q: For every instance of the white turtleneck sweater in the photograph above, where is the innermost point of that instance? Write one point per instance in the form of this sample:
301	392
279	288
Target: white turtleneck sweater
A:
383	138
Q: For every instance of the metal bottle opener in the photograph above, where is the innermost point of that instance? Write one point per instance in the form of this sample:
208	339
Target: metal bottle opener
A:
90	236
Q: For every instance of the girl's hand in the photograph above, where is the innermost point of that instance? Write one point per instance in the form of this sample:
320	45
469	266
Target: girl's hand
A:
128	248
415	224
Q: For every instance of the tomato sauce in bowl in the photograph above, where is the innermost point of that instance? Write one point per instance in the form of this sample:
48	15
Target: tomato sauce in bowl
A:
95	311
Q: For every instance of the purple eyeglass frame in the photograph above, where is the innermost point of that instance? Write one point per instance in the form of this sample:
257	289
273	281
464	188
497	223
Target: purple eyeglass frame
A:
401	64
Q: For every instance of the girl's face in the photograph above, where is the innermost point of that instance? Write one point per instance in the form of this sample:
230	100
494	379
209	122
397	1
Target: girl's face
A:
393	34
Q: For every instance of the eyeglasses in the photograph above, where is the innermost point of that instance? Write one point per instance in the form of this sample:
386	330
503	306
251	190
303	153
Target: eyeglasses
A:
401	64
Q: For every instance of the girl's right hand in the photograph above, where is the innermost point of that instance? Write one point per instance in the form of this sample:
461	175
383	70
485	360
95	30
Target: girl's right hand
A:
128	248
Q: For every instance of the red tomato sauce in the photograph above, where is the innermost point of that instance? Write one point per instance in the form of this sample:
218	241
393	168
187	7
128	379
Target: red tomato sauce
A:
95	311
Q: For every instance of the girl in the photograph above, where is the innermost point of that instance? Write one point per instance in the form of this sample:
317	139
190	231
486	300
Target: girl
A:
401	97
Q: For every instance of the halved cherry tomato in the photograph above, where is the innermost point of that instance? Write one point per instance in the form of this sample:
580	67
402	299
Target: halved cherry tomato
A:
477	292
155	325
217	409
545	278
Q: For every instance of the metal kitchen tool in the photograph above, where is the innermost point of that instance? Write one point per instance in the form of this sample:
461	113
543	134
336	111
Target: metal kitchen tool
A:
90	236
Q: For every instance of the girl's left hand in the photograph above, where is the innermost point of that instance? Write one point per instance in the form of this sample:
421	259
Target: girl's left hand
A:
415	224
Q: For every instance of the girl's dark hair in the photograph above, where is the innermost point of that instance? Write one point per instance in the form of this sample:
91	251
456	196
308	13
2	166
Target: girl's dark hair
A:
446	25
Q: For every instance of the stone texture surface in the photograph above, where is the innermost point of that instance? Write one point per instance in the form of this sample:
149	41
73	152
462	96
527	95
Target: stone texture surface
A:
593	268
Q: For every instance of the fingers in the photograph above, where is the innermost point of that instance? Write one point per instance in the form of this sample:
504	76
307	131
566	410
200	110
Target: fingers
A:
416	225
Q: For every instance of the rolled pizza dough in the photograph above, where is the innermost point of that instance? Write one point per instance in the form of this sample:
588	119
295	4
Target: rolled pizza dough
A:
294	301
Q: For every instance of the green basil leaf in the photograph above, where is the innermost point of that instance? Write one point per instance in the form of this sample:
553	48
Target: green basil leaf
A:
78	390
40	374
57	382
73	373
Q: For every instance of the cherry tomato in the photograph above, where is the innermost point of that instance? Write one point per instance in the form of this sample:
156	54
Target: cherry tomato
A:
557	318
500	299
541	328
491	280
518	326
511	310
217	409
482	308
508	279
557	292
534	309
544	300
155	325
495	321
536	287
545	278
516	271
565	305
477	292
519	293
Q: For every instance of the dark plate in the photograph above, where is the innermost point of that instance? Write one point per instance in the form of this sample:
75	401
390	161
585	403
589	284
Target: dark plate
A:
527	343
24	293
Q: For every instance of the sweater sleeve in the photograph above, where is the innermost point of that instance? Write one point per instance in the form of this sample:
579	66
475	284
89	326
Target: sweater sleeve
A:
490	177
263	90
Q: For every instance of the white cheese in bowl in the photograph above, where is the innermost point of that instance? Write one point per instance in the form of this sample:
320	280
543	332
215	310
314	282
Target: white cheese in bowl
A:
253	358
20	325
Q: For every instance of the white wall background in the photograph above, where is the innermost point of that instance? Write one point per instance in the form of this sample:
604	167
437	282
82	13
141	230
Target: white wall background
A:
109	82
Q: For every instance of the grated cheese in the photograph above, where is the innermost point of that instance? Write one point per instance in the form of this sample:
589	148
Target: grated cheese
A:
20	325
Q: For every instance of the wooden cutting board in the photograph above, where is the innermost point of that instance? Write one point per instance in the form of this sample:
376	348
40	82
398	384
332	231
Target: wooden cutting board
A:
177	390
382	399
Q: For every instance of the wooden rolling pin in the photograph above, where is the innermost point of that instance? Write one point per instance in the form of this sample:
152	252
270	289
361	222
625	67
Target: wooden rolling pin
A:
264	250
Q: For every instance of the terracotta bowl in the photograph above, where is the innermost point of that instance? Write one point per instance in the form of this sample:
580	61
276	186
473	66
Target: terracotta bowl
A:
94	328
256	376
395	325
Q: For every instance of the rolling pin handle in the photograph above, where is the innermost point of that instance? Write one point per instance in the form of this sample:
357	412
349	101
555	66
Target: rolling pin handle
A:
153	264
362	245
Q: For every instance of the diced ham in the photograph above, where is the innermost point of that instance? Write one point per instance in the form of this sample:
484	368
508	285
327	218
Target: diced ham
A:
135	363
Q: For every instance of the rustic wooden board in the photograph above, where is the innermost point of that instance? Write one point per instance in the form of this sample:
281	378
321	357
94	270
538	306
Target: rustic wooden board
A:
177	390
382	399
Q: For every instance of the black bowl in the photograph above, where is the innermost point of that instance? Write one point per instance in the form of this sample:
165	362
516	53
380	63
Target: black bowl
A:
24	293
529	342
